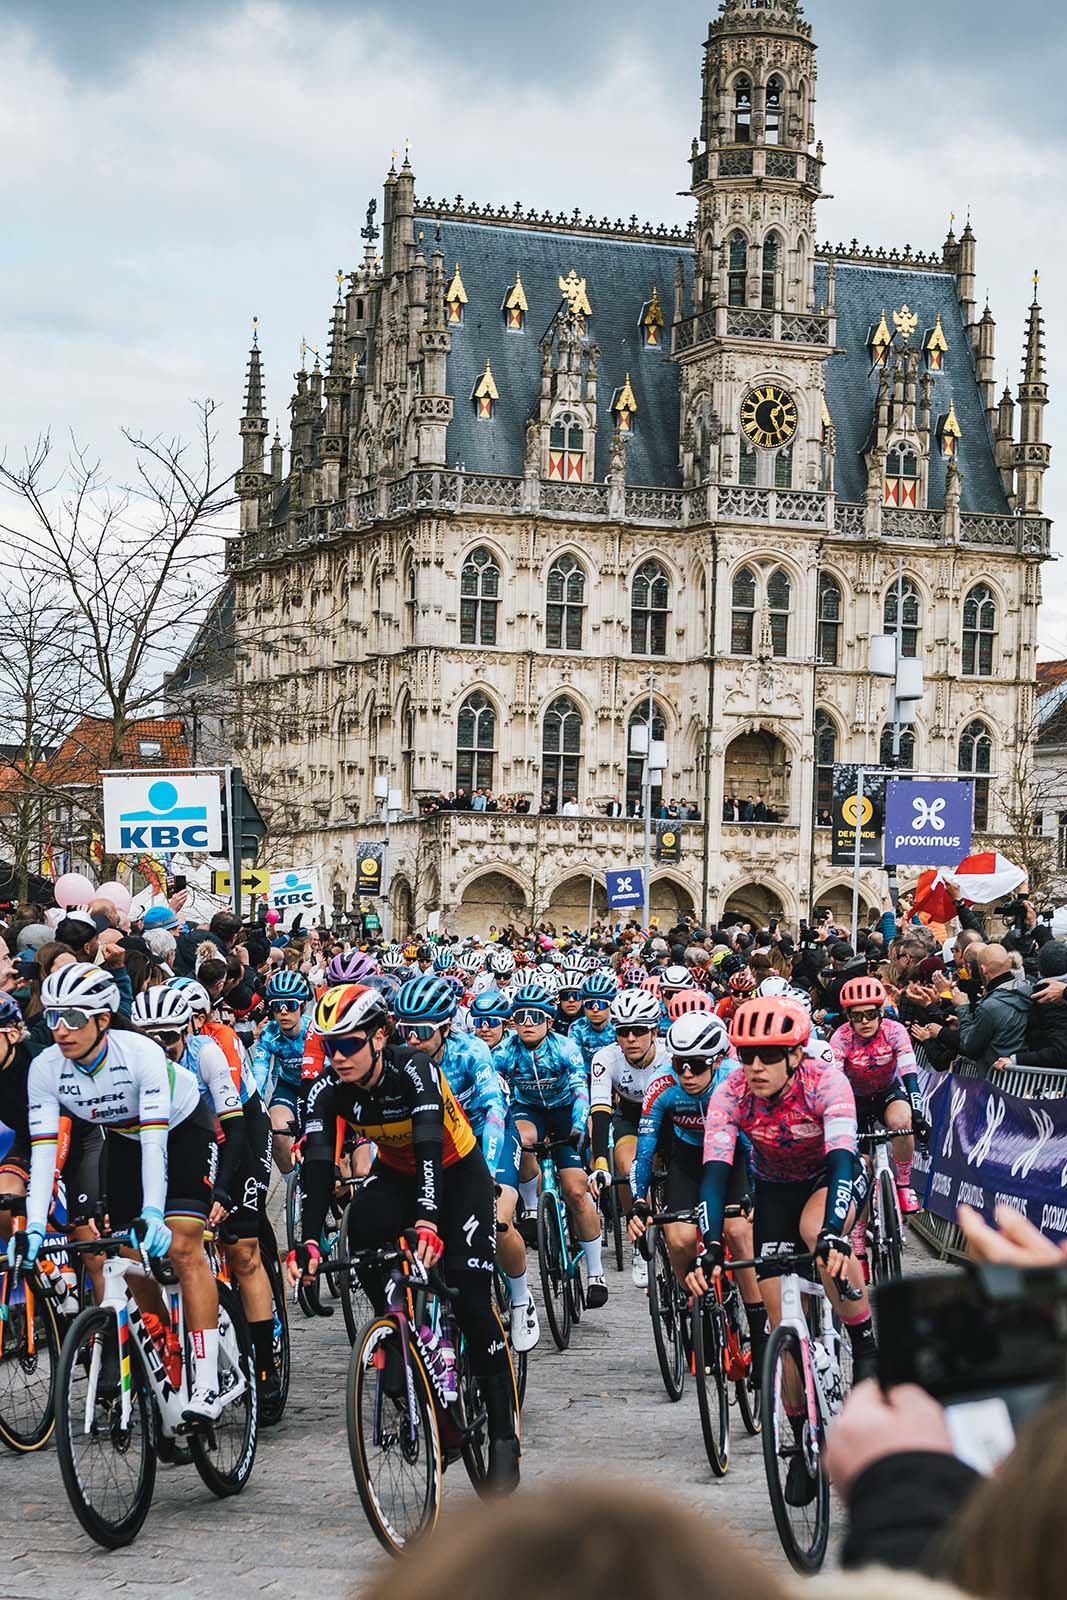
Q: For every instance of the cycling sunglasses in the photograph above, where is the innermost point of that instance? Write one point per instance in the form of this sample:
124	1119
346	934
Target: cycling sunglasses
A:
69	1016
697	1067
569	994
165	1040
628	1032
595	1005
419	1030
529	1018
284	1005
865	1014
348	1045
480	1023
770	1055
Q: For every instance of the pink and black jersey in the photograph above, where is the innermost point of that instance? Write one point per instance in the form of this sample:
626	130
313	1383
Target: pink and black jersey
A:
792	1135
874	1065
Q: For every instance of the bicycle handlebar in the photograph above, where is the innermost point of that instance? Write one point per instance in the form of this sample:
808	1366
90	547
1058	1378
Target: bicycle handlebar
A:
388	1256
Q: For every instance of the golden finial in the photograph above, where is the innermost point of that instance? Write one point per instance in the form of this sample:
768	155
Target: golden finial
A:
255	330
626	400
394	156
486	388
951	424
1037	279
906	321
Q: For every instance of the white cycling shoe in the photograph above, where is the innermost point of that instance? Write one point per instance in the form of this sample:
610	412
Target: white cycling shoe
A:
638	1269
204	1406
525	1328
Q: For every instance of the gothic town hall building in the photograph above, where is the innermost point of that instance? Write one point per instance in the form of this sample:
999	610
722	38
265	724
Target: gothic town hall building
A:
549	466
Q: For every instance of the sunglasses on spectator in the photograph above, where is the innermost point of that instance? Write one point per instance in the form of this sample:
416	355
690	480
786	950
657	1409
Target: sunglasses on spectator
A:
632	1033
69	1016
697	1067
419	1030
349	1045
865	1014
529	1018
285	1005
749	1054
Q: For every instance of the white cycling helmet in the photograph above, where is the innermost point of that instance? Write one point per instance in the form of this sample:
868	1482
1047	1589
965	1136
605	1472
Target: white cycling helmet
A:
501	962
819	1050
549	979
698	1033
777	988
676	977
197	996
161	1009
572	976
392	958
82	985
636	1006
470	961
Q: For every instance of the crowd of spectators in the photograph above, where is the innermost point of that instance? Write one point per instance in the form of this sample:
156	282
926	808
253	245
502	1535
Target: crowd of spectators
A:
475	800
553	805
753	808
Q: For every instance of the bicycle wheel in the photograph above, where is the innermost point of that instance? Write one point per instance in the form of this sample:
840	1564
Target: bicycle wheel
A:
792	1458
746	1390
713	1400
888	1262
392	1437
554	1285
519	1358
578	1277
268	1249
29	1356
224	1451
667	1312
612	1230
109	1471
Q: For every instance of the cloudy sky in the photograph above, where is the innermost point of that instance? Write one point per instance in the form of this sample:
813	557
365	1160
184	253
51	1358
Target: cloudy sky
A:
174	167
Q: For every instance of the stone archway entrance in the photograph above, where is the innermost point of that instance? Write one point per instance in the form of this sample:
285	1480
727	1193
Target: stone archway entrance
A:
758	767
492	899
755	902
569	905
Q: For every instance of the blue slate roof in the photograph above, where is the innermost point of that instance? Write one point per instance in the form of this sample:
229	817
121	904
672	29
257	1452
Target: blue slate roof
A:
851	386
620	274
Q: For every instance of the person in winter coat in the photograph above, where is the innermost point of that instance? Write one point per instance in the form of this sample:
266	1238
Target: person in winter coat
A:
997	1027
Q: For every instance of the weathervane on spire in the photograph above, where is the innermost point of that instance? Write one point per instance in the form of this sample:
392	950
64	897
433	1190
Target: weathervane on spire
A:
255	331
370	232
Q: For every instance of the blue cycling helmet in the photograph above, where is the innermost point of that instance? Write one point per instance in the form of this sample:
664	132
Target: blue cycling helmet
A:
491	1006
425	999
10	1012
457	986
599	986
443	958
533	997
286	985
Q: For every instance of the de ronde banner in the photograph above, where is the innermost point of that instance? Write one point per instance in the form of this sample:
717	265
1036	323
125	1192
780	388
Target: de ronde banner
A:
989	1149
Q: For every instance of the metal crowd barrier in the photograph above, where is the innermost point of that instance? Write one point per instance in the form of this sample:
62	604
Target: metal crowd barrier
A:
1026	1083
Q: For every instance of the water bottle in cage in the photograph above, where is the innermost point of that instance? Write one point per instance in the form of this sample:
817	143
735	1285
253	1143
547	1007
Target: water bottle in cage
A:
829	1376
440	1357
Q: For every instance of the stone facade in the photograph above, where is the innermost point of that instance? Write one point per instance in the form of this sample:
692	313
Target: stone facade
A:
552	463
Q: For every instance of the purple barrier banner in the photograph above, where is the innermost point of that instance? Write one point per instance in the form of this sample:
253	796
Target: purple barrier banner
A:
989	1149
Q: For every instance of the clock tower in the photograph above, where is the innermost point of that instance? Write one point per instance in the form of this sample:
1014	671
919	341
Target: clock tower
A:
752	348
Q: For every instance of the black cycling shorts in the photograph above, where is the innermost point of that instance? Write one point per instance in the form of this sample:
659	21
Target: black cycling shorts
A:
871	1109
388	1203
192	1161
253	1176
624	1120
685	1167
776	1224
82	1171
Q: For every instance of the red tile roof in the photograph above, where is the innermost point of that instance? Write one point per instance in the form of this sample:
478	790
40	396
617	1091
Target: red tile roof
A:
1050	674
85	750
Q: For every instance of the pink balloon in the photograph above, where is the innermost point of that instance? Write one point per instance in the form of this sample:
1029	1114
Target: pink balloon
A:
117	893
273	917
74	889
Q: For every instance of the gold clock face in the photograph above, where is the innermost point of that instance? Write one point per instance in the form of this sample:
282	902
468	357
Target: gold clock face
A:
769	416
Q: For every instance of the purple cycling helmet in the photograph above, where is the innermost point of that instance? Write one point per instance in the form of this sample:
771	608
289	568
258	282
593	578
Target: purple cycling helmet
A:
351	966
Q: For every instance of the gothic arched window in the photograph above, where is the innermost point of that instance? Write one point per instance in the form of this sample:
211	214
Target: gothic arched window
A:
825	756
907	748
979	632
565	604
479	596
738	278
635	764
743	613
909	633
650	599
828	634
902	476
743	111
976	758
566	449
475	743
778	597
771	251
772	119
561	750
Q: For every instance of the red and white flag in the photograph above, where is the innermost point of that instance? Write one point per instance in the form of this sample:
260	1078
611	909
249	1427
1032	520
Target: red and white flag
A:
986	877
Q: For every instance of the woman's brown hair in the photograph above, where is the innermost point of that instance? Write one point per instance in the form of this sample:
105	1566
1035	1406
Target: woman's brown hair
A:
576	1541
1009	1541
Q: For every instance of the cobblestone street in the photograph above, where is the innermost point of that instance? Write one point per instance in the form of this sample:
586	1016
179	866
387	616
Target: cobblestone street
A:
299	1526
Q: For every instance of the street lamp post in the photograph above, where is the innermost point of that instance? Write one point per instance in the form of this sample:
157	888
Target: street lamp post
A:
392	805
